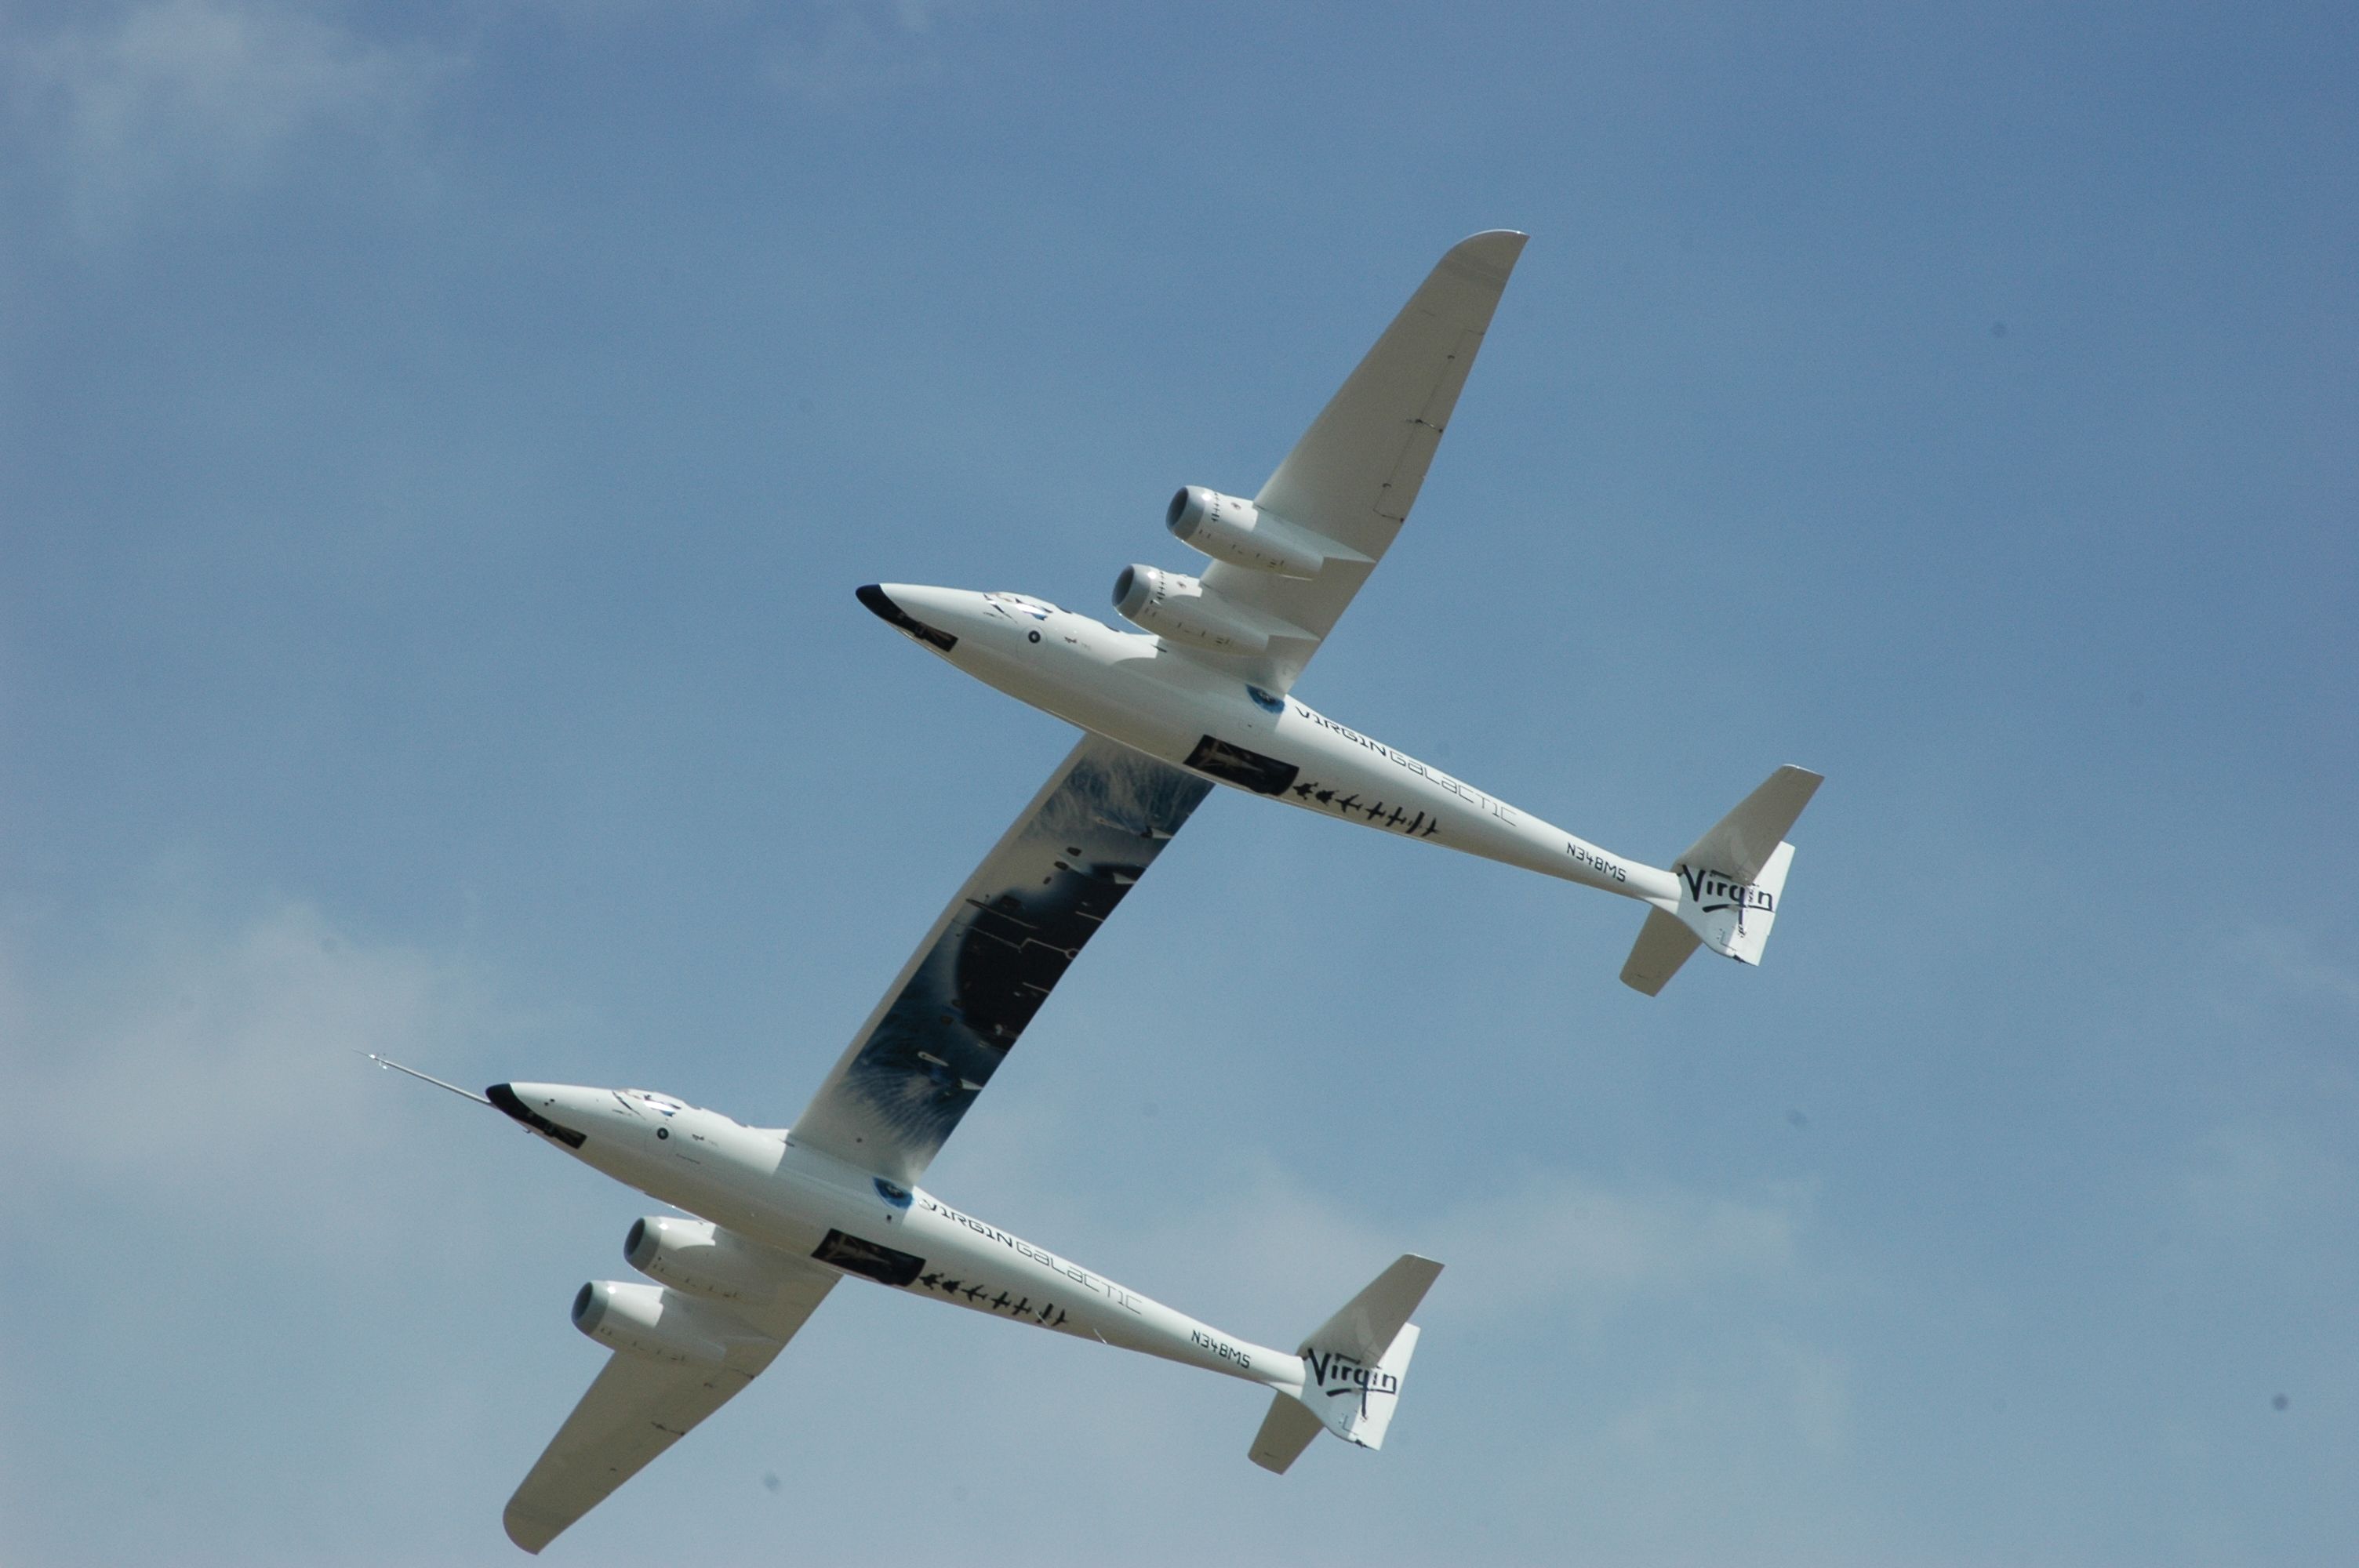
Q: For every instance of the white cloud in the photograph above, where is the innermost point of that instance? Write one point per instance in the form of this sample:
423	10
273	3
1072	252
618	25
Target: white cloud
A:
1804	1395
188	1057
1562	1244
2299	963
2267	975
848	51
229	1223
2251	1182
1600	1247
174	97
2284	998
1691	1402
207	1063
1741	1452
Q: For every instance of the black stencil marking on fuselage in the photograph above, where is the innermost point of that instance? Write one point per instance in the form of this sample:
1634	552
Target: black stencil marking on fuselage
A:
1243	766
869	1259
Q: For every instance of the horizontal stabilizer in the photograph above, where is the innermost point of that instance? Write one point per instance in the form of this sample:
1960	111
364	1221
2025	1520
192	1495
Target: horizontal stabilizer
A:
1664	944
1285	1432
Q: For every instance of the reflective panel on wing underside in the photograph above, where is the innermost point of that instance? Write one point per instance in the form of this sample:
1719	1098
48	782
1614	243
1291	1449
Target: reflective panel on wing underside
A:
994	955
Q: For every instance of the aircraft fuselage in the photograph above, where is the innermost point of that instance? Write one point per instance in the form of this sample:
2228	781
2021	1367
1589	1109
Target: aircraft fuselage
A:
1130	687
761	1186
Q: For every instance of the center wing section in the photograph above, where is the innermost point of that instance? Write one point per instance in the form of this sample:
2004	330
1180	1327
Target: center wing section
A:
990	961
1356	472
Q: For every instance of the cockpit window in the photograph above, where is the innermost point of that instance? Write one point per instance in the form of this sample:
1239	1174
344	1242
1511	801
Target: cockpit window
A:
662	1105
1020	604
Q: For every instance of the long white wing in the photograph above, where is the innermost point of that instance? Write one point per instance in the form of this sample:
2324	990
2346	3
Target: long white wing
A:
1356	472
638	1406
991	959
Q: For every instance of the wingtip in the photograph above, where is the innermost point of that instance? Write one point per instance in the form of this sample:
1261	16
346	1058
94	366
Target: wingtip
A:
1491	253
528	1531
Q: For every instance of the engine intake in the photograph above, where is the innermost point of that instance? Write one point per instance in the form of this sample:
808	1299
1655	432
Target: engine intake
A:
663	1324
1239	532
1184	610
697	1255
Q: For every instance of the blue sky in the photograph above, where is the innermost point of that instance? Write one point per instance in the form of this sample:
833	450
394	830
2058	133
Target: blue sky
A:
441	443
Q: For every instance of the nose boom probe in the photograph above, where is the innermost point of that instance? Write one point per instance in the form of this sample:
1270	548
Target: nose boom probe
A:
425	1077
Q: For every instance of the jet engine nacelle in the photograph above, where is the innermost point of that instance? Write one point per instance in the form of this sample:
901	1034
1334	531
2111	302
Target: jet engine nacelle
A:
698	1255
649	1320
1183	609
1232	530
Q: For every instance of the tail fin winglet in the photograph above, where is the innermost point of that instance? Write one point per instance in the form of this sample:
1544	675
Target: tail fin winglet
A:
1352	1367
1730	881
1368	1323
1741	843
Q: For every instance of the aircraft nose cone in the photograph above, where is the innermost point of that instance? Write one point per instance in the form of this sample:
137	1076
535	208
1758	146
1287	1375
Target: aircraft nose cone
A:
888	608
506	1099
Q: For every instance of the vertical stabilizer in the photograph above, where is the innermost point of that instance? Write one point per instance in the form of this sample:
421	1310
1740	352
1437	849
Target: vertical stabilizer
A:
1352	1369
1731	881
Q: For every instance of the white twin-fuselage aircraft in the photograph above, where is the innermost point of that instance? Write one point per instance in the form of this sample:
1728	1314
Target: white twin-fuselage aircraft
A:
1201	695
